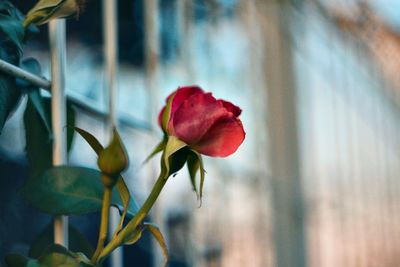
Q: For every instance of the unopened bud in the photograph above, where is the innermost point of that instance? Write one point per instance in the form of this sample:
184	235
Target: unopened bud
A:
113	159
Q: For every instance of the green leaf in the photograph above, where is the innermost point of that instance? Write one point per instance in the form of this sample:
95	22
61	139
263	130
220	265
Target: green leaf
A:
128	202
10	50
155	231
113	159
10	94
33	66
77	242
53	256
16	260
71	116
66	190
11	25
37	101
46	10
39	143
58	256
173	146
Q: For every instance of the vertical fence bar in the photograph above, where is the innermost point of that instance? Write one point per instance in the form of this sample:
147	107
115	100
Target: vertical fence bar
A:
152	55
287	198
110	38
185	26
57	38
152	78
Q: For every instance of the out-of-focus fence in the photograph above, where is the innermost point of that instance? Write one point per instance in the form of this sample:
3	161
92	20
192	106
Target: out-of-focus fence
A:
344	60
315	183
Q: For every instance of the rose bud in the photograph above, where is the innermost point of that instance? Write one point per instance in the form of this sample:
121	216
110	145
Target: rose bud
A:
209	126
113	160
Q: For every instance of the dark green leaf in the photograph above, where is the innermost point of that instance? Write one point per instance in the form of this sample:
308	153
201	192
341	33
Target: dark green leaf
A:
16	260
53	256
9	51
68	190
33	66
37	101
10	94
38	143
71	114
77	242
58	256
39	146
11	25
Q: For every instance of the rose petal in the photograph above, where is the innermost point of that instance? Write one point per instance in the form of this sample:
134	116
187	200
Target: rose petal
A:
182	94
231	107
195	117
222	139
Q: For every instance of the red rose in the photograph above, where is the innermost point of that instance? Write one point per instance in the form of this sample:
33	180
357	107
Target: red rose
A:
211	127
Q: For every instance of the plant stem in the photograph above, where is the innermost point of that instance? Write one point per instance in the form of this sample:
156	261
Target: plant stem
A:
105	210
136	220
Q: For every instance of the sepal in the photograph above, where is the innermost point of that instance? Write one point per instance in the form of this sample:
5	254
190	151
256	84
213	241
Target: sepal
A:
159	148
155	231
173	157
195	165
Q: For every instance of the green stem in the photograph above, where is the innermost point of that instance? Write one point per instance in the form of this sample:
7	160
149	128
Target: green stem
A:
105	210
136	220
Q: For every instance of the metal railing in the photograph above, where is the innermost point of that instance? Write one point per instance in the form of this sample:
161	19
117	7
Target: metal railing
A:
57	40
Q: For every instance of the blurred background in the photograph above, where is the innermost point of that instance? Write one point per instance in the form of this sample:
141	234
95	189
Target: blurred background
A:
316	181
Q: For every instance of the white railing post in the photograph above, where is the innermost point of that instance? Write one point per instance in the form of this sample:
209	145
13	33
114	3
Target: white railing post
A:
151	13
152	56
185	26
287	198
110	38
57	39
